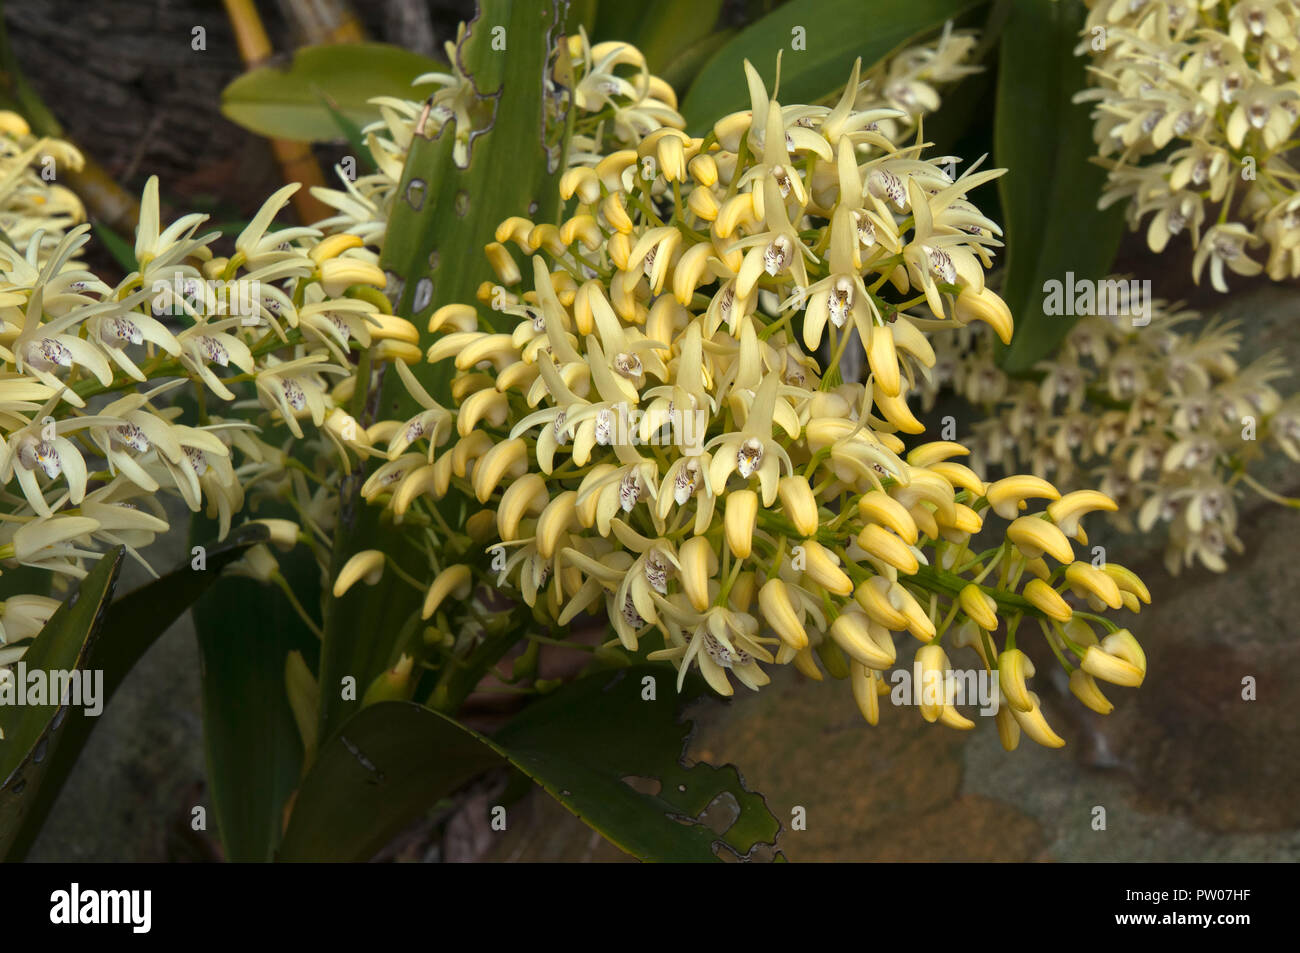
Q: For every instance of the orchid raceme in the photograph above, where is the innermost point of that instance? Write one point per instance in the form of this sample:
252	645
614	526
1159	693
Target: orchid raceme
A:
694	427
1197	108
90	429
690	416
593	390
1163	413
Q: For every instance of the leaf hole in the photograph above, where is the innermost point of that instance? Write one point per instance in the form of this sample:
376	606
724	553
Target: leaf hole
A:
415	190
721	813
423	295
643	785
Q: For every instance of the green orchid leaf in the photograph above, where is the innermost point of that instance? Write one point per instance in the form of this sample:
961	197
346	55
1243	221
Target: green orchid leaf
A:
291	103
609	747
592	744
582	13
665	28
444	216
356	139
24	580
123	252
388	763
367	627
617	21
1049	198
131	625
30	722
246	630
683	65
818	41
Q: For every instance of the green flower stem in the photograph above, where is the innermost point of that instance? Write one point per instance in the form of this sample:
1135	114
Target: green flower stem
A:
1092	617
947	583
1012	625
1052	638
361	388
768	330
460	677
1268	494
201	396
947	619
742	159
560	643
988	649
1078	650
833	371
976	560
283	585
641	206
405	576
930	578
725	590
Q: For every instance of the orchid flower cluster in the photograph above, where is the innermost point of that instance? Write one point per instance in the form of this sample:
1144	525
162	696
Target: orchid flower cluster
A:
615	98
31	200
910	81
1197	107
661	434
1161	417
640	403
617	101
92	432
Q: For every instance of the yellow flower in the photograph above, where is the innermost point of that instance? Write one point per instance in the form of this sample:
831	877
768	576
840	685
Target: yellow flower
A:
366	566
787	517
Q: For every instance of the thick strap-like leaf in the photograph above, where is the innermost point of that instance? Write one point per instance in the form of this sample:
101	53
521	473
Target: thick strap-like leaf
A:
818	41
590	743
252	746
665	28
602	746
131	625
366	627
440	223
444	214
31	731
290	103
390	762
1049	198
